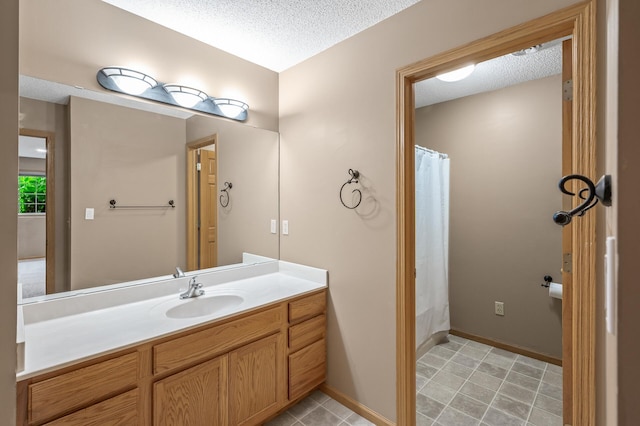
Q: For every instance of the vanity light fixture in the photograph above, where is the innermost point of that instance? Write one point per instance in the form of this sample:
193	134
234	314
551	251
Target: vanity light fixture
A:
131	82
230	107
187	97
457	75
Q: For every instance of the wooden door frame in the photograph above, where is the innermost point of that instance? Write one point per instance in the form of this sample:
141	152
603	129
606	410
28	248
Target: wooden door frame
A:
50	230
579	22
192	205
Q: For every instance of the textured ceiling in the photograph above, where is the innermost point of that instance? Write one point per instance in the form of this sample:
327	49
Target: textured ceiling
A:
494	74
276	34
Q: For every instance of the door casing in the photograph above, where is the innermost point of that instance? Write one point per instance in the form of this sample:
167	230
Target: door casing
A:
579	22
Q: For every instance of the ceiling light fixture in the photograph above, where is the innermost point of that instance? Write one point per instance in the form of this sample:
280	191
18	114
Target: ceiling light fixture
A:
230	107
457	75
187	97
131	82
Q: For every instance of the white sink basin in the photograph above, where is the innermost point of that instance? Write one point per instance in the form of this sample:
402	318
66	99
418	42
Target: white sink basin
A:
201	306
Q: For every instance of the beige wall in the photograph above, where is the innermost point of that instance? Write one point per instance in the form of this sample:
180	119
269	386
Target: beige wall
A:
68	41
337	111
248	158
9	191
136	158
506	156
627	200
28	165
50	117
32	236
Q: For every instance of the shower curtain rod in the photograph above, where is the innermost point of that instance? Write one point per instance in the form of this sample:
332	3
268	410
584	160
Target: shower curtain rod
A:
431	151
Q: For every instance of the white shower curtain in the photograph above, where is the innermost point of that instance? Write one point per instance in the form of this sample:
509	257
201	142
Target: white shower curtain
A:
432	244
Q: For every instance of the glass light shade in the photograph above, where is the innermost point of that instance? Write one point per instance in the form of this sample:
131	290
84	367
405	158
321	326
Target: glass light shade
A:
187	97
457	75
130	81
230	107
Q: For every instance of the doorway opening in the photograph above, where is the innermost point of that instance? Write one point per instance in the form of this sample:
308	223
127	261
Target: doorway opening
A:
577	22
36	213
202	201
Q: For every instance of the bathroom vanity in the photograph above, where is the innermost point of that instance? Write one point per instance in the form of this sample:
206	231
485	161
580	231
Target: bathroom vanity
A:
247	349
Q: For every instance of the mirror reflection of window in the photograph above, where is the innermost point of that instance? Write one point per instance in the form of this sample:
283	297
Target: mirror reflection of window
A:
32	207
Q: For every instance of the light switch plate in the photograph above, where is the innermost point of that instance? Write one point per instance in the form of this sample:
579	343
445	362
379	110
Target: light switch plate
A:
88	213
273	226
285	227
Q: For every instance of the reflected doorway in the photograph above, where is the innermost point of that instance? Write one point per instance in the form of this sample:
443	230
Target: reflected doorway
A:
202	212
35	214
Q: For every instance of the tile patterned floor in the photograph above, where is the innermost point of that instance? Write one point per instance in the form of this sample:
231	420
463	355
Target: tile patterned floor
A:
462	382
318	409
459	383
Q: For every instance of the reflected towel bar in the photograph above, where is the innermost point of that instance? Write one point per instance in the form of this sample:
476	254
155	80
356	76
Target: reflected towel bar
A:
170	204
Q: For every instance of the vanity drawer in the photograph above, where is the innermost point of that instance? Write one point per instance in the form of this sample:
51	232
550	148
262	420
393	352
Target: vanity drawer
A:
82	387
215	340
120	410
307	307
305	333
307	369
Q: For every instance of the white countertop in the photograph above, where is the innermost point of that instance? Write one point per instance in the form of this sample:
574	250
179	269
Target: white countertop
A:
67	331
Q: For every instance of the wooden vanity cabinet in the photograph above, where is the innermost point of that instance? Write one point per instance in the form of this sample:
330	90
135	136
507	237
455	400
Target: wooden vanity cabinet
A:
196	396
307	344
236	372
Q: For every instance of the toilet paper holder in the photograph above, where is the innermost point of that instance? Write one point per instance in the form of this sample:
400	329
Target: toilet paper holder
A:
547	281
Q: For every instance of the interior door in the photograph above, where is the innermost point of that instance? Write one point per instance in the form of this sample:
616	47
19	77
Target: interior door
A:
208	210
567	235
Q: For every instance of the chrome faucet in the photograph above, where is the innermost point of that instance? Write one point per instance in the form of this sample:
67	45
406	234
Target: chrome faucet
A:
194	290
178	273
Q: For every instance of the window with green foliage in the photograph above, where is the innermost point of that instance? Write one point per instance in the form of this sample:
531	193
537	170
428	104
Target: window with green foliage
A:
32	194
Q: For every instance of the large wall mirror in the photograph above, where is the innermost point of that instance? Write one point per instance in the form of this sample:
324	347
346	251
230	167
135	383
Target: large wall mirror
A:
108	147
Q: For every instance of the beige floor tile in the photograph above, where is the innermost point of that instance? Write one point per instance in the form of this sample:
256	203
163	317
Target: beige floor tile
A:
303	407
485	380
422	420
427	406
511	406
432	360
541	365
338	409
516	392
469	406
551	405
426	370
523	381
492	370
457	370
498	360
550	390
527	370
498	418
320	417
504	353
471	352
448	379
453	417
319	396
441	352
552	378
543	418
438	392
465	360
478	392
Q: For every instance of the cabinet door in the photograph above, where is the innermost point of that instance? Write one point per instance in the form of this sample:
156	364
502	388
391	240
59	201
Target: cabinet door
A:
195	397
257	380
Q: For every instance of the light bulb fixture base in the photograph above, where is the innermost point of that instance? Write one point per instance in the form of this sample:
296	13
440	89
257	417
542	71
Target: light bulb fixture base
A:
111	78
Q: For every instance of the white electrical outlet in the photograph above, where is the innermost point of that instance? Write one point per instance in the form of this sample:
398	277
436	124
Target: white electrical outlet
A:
500	308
